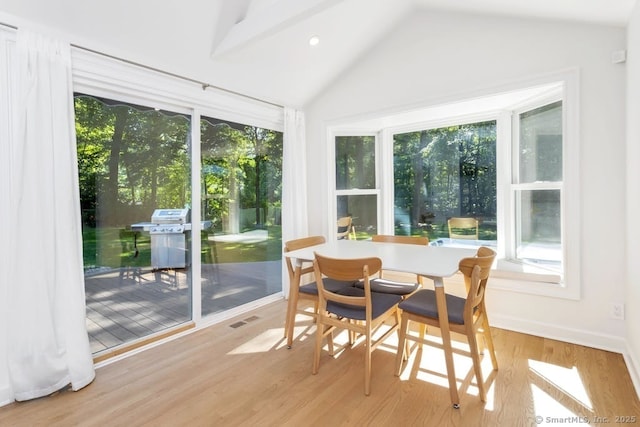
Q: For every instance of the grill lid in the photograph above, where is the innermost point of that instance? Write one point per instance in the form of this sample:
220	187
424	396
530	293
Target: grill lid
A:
170	216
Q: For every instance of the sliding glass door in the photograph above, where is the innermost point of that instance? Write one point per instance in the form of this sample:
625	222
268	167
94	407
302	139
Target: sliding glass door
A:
133	160
241	187
135	188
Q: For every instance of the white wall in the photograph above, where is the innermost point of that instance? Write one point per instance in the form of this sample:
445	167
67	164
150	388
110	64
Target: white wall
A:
436	56
633	196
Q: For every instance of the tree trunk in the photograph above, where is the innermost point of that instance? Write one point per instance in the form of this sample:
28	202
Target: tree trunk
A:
109	208
418	180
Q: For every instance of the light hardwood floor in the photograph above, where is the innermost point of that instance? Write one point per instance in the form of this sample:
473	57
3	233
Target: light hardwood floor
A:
240	373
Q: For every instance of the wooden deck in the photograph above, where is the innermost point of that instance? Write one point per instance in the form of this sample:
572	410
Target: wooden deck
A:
126	304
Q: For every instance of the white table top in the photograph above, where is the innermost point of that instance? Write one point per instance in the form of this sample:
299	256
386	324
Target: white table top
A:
429	261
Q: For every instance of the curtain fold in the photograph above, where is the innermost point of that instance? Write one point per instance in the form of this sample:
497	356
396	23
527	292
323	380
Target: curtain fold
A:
47	342
294	180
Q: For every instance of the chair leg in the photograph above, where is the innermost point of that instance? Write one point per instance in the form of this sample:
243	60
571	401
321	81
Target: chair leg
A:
477	368
352	334
316	354
286	318
446	344
367	363
489	341
291	317
451	373
330	343
423	331
398	316
402	353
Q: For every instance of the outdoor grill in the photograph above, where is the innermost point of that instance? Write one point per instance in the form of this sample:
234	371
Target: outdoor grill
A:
168	231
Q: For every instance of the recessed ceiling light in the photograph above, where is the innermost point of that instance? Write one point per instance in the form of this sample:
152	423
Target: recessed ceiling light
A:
314	40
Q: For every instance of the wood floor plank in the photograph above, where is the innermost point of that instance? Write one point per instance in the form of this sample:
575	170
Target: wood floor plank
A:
245	376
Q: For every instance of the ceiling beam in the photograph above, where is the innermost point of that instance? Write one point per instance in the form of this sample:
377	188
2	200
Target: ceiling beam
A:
269	20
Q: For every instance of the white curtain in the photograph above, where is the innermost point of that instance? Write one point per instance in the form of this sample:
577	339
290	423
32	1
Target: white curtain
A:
47	346
294	180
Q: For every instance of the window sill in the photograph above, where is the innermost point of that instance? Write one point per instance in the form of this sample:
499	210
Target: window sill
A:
520	277
509	269
513	276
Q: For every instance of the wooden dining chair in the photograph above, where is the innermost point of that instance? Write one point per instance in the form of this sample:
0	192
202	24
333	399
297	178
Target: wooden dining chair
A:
463	228
390	285
345	228
359	311
467	316
303	291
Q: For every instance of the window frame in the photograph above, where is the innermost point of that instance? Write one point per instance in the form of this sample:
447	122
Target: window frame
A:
335	193
533	279
508	259
508	275
429	125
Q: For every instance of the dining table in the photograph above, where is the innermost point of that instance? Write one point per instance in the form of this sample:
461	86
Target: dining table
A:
433	262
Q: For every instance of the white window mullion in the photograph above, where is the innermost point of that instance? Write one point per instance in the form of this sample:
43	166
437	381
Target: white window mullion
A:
196	209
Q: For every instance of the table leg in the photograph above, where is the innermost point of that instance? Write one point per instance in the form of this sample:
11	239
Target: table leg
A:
443	318
292	307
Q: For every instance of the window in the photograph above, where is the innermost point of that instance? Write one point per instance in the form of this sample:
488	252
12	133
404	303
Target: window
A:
537	186
356	192
501	159
443	173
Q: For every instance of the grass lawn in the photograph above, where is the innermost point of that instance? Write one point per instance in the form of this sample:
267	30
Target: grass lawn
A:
115	247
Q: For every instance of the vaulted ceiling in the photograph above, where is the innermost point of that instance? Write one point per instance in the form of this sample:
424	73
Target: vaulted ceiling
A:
261	47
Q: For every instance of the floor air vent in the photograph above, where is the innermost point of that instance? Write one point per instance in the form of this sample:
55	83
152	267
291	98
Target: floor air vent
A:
244	322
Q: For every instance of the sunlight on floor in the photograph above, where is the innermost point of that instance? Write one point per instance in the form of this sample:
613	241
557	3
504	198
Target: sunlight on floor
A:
546	407
266	341
431	367
573	399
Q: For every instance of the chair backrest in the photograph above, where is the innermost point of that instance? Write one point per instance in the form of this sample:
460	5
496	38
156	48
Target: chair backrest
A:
353	269
476	272
304	242
344	227
411	240
463	228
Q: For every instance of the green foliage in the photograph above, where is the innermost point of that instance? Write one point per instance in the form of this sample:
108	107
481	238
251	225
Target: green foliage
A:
445	172
133	159
240	163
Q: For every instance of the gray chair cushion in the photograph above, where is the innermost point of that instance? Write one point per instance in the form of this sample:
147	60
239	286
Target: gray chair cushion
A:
385	286
329	284
423	303
379	304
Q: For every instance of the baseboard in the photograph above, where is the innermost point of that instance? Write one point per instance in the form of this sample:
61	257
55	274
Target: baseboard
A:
5	396
633	367
560	333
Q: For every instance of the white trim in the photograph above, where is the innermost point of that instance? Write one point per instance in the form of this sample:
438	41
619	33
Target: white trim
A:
196	202
387	195
100	75
553	331
358	192
333	193
633	366
504	227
